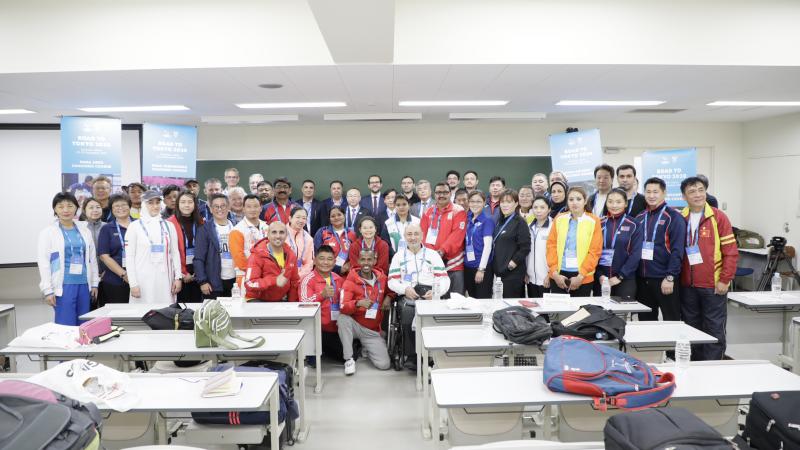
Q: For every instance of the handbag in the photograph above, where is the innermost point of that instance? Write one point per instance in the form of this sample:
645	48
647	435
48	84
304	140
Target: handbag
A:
422	289
173	317
97	331
213	327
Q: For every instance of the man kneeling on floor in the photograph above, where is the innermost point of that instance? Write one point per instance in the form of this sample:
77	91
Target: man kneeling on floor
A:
364	300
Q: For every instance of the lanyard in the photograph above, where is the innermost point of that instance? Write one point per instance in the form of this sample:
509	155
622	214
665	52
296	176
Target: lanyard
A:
333	283
656	226
371	247
186	239
294	246
536	228
366	292
416	266
437	217
69	241
615	231
470	230
339	240
689	238
503	227
278	210
630	204
121	239
161	225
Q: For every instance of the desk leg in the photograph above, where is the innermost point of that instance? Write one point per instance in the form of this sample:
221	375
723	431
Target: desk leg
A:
787	358
11	333
795	347
318	348
417	347
161	429
302	428
427	422
436	419
42	363
547	429
274	434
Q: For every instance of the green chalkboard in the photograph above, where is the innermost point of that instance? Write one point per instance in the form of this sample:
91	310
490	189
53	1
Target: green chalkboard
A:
354	172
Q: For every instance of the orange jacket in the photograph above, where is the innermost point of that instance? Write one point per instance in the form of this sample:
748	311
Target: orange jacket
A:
589	239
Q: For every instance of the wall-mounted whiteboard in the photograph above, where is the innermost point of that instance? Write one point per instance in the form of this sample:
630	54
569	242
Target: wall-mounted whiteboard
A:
30	168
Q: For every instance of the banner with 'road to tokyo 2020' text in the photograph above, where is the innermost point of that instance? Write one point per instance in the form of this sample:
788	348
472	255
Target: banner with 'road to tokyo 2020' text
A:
672	166
90	147
576	154
169	154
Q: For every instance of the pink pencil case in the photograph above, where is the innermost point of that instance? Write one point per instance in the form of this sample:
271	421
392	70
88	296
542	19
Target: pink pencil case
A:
96	327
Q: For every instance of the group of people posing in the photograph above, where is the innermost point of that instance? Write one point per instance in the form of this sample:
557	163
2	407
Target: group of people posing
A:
357	255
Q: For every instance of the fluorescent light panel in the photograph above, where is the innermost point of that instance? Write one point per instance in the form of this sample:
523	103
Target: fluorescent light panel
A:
136	108
16	111
498	116
290	105
453	103
738	103
609	103
245	119
375	116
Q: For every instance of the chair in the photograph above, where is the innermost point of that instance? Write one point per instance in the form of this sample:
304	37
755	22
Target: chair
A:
744	272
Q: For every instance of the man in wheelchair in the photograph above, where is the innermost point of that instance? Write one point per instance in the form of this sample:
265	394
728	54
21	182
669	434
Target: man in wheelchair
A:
412	274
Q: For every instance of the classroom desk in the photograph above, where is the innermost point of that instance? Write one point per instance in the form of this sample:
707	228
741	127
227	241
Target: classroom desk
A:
8	330
180	393
169	345
796	344
434	313
250	315
767	303
523	386
474	340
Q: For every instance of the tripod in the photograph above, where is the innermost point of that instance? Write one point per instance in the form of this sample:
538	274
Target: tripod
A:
775	255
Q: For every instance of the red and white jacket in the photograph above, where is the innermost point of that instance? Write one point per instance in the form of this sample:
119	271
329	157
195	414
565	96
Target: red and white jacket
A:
311	287
274	212
452	224
263	270
381	254
354	290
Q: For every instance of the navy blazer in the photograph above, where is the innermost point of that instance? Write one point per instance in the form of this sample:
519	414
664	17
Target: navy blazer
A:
366	203
207	260
315	217
325	211
627	248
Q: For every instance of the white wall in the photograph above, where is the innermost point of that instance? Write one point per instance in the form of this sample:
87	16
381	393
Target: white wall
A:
771	187
469	138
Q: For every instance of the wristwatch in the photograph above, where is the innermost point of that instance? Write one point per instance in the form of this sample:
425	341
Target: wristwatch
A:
620	277
670	278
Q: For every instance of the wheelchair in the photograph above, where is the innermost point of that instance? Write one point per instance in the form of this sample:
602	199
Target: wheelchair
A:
394	336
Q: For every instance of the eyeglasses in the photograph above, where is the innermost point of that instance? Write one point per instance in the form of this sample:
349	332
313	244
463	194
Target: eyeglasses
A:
442	192
219	207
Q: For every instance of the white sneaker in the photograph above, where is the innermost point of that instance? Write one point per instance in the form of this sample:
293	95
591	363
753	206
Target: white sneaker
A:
349	367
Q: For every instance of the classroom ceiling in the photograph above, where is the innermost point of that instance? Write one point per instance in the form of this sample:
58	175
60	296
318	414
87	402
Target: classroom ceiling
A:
377	88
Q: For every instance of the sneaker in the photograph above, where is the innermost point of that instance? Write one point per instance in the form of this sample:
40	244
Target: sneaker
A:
349	367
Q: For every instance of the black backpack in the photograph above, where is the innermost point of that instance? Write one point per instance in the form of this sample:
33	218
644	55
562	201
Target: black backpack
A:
518	325
773	420
661	429
173	317
601	324
34	417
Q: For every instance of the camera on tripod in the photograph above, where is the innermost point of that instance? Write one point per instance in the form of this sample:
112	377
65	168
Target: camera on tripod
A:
778	243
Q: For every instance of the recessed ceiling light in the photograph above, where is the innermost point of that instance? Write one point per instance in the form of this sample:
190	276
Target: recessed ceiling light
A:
16	111
737	103
136	108
609	103
270	85
498	116
453	103
290	105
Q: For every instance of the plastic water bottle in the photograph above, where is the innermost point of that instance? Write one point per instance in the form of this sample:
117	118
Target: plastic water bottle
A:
776	284
605	290
236	294
683	352
437	295
497	289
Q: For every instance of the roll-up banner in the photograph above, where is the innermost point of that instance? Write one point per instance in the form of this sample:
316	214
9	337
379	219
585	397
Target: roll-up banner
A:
169	154
90	147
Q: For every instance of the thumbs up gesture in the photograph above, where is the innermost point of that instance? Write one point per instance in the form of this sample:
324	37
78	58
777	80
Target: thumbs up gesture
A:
282	280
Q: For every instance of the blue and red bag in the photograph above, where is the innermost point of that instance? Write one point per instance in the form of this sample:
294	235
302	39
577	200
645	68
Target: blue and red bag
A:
612	377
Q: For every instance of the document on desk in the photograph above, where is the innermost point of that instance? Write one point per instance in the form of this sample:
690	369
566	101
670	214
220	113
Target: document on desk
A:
222	384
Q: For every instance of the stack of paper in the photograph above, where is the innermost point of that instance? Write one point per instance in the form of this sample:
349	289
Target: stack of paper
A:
222	384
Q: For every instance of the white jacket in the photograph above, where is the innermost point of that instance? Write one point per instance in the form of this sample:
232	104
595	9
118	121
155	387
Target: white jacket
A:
51	242
537	258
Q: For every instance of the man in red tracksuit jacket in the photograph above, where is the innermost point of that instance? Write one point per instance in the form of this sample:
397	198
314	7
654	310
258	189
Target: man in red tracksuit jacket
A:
364	299
323	286
709	265
444	228
272	268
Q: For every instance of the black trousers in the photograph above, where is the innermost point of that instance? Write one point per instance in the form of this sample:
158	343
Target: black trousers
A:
514	285
536	291
227	285
648	292
701	308
584	290
190	292
481	290
113	293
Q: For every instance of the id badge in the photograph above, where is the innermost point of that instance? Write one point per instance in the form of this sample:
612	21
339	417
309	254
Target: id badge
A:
647	250
334	311
431	237
693	253
607	257
227	260
75	265
157	253
571	259
408	277
341	259
401	245
189	255
372	312
470	253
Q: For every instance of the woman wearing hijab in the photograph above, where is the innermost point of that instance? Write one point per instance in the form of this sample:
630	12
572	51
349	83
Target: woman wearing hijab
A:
558	198
154	262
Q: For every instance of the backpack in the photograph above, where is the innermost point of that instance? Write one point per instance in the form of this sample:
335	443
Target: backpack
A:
288	410
614	378
773	420
661	428
213	327
34	417
748	239
520	326
601	324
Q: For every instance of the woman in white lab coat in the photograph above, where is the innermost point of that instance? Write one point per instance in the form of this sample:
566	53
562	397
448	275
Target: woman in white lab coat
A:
151	250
